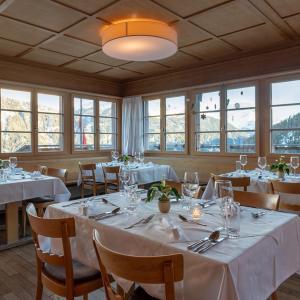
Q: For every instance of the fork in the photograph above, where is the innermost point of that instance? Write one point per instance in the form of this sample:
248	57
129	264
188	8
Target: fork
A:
144	221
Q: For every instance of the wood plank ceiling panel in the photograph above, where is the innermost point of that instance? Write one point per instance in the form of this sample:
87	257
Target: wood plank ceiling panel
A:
285	7
87	66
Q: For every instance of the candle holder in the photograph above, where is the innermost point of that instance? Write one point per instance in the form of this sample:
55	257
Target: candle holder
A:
196	212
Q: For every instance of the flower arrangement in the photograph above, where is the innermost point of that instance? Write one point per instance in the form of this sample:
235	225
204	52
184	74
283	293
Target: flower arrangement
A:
280	166
124	158
163	191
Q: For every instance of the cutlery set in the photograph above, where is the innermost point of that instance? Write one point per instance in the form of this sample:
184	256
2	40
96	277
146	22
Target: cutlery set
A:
141	221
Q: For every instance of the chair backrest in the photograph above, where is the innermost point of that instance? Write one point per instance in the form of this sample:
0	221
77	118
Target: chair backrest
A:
59	173
243	182
178	187
259	200
42	169
53	228
87	172
165	269
113	171
285	187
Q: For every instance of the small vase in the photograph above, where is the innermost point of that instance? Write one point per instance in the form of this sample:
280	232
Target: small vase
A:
164	206
280	175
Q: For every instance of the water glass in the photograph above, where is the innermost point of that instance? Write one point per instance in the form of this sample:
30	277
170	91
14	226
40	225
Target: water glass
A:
238	166
142	158
223	193
191	183
186	201
262	163
243	160
294	163
233	219
13	161
115	156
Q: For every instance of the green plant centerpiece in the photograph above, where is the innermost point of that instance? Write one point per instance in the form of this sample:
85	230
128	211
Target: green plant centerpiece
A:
163	192
280	167
124	159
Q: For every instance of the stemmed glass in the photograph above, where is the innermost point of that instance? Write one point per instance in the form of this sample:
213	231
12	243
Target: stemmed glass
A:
262	163
294	163
142	157
124	177
243	160
13	161
115	156
191	183
137	157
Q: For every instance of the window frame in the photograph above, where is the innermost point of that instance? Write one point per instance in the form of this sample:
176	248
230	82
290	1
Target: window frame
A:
163	118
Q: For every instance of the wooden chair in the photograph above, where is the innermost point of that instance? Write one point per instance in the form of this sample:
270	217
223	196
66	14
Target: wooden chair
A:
165	269
178	187
286	188
242	182
111	179
42	169
88	178
59	273
259	200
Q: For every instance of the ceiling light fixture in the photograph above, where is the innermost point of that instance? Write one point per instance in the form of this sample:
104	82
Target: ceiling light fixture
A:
139	40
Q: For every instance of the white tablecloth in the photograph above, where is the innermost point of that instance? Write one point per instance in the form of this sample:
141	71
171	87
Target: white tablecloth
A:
257	184
19	189
248	268
146	173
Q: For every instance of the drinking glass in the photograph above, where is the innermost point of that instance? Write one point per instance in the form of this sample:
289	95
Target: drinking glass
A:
124	177
262	163
238	166
142	157
13	161
191	183
232	217
294	163
186	202
136	157
115	156
243	160
223	193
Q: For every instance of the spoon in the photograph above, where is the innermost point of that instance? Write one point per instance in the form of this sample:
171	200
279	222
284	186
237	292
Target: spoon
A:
184	219
198	245
113	212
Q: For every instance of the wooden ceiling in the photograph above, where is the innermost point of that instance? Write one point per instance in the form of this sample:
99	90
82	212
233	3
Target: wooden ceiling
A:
64	33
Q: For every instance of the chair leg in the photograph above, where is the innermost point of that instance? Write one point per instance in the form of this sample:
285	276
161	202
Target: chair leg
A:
86	297
39	292
40	212
274	296
82	191
24	219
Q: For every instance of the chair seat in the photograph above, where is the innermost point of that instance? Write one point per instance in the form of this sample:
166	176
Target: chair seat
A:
42	199
140	294
81	272
91	182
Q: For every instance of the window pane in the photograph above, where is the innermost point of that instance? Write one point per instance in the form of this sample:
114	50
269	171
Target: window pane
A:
15	121
286	141
208	142
15	100
83	106
49	103
152	125
175	105
107	109
286	117
152	142
107	141
49	123
107	125
175	142
152	107
241	141
208	121
208	101
15	142
241	119
241	97
50	142
83	124
175	123
286	92
84	141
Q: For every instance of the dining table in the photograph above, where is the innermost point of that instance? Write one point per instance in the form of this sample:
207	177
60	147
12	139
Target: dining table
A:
17	188
146	172
250	267
260	182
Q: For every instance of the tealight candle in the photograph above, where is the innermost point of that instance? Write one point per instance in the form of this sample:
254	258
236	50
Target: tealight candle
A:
196	212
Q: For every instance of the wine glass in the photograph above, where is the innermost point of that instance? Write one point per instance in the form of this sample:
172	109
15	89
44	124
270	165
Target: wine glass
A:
262	163
124	177
137	157
243	160
13	161
294	163
223	193
115	156
142	157
191	183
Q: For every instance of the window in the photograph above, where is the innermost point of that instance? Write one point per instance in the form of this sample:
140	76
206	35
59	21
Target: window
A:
208	122
285	117
16	121
240	120
107	125
84	124
164	131
175	124
152	125
50	122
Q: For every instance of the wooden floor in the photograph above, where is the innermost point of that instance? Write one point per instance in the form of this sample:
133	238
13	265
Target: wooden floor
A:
17	278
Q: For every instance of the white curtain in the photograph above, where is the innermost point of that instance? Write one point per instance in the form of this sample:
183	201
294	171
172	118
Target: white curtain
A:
132	125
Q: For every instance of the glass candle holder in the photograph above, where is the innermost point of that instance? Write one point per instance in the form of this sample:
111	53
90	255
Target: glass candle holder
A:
196	212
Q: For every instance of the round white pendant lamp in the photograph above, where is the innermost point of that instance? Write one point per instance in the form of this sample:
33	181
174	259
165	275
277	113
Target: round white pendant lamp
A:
139	40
